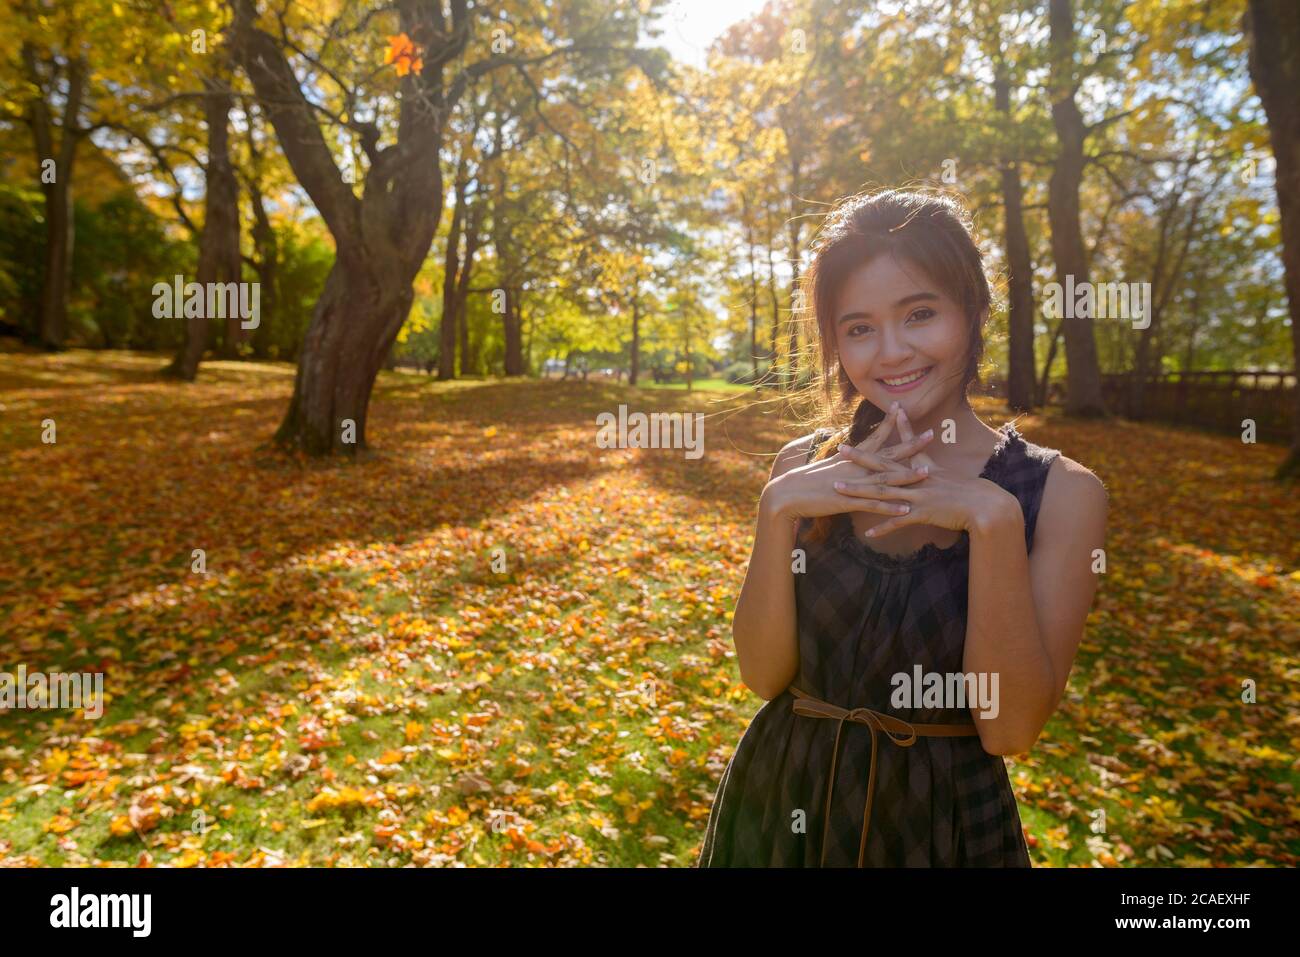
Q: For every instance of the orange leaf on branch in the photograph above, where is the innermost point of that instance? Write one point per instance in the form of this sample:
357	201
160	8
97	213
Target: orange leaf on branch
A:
404	54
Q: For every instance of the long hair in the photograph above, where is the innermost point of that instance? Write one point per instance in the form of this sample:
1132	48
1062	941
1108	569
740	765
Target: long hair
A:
930	230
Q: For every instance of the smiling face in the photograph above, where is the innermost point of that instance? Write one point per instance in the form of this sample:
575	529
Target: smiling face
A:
892	323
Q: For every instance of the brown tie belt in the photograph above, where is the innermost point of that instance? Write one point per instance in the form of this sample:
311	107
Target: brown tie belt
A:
900	732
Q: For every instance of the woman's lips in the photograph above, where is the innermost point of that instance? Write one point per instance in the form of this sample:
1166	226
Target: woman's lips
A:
908	386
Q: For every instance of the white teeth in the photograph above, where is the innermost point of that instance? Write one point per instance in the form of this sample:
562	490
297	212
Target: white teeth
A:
906	380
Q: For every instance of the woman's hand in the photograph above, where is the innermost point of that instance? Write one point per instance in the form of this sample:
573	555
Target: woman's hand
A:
809	490
945	499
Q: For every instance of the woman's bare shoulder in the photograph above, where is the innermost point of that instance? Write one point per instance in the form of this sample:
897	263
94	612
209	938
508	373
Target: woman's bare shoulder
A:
1066	473
1073	497
794	453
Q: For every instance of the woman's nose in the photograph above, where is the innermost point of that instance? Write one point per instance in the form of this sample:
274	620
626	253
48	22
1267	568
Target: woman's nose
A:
894	349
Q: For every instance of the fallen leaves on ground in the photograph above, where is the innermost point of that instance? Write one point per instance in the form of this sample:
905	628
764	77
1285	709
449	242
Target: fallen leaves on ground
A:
490	642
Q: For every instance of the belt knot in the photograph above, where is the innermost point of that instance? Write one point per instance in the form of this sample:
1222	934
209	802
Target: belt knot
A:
901	733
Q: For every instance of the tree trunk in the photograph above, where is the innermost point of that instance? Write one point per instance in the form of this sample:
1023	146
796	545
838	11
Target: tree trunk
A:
507	263
219	260
753	289
1047	365
690	362
636	338
468	360
776	301
1273	29
265	245
473	239
450	272
1163	288
352	329
1135	397
268	268
468	347
382	237
513	328
59	230
1020	319
528	345
58	260
1194	325
1083	374
795	186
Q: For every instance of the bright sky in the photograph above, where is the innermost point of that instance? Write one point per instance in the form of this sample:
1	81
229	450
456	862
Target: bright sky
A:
689	26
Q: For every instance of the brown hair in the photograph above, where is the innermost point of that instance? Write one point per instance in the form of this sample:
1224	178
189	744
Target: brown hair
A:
929	229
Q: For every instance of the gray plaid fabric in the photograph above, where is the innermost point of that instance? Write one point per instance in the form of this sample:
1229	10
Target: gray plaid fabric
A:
862	617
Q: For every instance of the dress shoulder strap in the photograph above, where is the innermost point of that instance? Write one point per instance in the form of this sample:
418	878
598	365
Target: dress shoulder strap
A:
1022	471
820	436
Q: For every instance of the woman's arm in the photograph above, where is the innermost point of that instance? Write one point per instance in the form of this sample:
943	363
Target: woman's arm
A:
1026	613
763	624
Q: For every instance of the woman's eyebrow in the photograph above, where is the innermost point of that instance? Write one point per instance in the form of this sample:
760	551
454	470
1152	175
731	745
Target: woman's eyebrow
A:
905	301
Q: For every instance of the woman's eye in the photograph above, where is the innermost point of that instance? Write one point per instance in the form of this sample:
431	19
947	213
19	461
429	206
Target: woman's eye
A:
861	329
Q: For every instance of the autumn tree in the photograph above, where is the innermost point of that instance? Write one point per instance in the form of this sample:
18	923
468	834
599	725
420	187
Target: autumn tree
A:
1273	28
1083	374
64	69
219	255
468	205
788	44
312	75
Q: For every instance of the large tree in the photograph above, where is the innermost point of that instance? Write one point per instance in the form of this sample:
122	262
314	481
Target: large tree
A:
382	236
1273	28
56	144
219	257
383	233
1083	374
67	70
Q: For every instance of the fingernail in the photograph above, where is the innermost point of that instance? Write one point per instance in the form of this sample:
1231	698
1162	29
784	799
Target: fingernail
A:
927	433
839	485
893	406
843	447
924	470
870	532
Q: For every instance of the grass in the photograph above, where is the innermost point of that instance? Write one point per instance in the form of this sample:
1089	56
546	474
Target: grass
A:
490	642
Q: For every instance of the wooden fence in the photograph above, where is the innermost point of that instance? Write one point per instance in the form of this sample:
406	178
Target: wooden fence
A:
1218	401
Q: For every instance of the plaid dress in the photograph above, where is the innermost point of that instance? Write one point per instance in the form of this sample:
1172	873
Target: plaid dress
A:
864	616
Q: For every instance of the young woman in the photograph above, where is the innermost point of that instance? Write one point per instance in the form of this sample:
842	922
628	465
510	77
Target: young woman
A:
918	542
